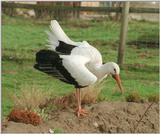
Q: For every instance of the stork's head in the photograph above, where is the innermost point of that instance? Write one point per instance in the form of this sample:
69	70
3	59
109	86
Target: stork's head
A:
115	71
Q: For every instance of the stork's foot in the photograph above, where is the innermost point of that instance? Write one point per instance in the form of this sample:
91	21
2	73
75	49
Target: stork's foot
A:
81	112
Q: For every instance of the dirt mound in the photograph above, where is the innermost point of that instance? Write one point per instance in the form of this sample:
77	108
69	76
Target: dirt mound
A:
104	117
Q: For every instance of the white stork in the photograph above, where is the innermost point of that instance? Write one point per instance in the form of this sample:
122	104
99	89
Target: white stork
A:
76	63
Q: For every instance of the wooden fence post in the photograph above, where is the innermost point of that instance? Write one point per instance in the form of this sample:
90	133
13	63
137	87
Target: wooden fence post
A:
123	33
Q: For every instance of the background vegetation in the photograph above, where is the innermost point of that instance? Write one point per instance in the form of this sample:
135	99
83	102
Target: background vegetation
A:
22	38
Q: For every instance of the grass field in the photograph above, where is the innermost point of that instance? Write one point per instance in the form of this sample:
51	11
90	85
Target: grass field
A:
21	39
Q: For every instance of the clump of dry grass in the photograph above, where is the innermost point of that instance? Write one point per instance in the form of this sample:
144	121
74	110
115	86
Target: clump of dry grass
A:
32	98
29	98
153	98
90	94
134	97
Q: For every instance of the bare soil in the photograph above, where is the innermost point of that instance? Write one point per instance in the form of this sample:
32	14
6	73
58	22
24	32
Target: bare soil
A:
103	117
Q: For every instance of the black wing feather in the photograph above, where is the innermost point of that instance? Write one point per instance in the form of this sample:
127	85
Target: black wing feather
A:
47	61
50	63
64	48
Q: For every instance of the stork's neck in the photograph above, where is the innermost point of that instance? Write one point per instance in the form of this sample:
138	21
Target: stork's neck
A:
105	69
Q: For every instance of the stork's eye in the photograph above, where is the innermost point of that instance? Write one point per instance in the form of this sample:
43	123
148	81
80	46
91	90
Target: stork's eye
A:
114	70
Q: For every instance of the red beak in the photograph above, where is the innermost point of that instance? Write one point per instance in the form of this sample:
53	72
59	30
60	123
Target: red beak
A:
118	80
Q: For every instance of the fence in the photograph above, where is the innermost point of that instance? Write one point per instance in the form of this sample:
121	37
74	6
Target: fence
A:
62	11
70	8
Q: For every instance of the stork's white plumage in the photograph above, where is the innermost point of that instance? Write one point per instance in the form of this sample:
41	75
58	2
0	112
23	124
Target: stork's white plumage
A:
76	63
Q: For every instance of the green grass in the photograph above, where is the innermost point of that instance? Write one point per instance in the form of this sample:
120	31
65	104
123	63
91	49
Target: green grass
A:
22	38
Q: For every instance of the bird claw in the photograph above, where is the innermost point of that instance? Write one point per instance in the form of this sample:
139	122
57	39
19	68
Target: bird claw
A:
81	112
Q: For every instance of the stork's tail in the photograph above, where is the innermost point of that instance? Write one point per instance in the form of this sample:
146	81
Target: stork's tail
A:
58	31
57	34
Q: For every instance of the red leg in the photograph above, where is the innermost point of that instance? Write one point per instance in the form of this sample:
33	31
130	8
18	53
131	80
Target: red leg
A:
79	110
